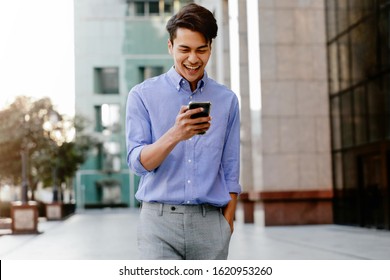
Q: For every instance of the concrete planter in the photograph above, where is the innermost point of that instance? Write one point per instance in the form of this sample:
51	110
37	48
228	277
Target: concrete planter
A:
59	210
24	217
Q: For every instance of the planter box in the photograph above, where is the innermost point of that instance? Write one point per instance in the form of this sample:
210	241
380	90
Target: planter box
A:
24	217
59	210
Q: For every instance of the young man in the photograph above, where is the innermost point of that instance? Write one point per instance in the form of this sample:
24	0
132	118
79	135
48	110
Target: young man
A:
189	181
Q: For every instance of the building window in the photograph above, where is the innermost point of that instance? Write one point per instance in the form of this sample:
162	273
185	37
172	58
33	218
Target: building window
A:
108	118
168	7
139	8
153	8
146	72
106	80
109	158
149	8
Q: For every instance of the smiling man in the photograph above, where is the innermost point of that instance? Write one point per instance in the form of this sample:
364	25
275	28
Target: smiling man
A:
189	180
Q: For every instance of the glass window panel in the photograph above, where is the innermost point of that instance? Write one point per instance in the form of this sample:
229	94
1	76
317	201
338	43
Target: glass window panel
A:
363	50
336	126
98	118
342	15
384	37
346	120
376	110
331	19
358	9
386	90
139	8
146	72
338	171
110	117
344	62
360	112
106	80
168	7
111	156
349	167
333	68
153	8
351	189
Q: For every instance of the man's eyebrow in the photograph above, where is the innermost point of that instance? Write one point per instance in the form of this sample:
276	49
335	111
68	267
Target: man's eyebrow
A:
187	47
204	46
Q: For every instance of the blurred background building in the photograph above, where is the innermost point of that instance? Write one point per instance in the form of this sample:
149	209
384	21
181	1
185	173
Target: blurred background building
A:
358	47
314	134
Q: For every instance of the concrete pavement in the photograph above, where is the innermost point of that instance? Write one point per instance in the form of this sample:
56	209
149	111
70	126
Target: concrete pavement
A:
110	234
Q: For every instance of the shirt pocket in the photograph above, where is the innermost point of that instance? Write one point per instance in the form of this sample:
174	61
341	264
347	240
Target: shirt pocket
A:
214	138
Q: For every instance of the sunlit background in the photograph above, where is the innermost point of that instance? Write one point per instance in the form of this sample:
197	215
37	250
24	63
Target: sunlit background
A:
37	51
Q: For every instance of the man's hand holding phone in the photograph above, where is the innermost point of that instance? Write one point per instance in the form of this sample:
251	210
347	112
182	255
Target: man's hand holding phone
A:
202	118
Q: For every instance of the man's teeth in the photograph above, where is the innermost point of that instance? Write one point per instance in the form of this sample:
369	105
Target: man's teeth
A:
192	68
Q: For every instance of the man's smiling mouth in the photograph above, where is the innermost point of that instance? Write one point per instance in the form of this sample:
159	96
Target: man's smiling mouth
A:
192	67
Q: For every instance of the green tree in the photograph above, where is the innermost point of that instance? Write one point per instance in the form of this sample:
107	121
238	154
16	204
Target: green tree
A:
47	139
59	163
20	130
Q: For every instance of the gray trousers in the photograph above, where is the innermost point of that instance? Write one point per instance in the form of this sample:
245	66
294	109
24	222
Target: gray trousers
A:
189	232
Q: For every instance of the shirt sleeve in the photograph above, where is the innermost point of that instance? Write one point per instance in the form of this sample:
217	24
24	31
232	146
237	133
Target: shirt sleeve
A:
231	153
137	130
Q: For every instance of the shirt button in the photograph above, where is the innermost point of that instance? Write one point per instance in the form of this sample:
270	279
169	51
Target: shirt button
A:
189	161
178	87
189	181
191	97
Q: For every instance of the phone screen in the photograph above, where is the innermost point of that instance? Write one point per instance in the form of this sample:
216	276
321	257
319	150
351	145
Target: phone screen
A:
205	105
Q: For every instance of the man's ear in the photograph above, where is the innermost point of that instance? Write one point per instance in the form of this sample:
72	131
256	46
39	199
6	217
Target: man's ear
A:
170	46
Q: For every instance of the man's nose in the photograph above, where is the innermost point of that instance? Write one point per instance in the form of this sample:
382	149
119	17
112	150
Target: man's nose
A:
193	58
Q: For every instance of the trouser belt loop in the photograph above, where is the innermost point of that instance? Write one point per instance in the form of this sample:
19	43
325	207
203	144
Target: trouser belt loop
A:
203	210
160	212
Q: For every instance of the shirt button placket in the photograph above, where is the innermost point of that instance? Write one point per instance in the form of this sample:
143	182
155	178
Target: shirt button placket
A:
189	171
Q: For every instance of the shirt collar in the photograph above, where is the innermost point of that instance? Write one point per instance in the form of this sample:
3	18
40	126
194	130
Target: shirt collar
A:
178	81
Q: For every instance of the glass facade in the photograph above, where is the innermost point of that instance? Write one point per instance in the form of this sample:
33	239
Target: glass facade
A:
358	42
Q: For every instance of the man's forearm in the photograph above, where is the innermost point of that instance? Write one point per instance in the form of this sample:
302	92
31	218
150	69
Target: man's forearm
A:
154	154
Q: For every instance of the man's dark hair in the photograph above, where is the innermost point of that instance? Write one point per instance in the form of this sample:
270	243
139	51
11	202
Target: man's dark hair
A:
195	18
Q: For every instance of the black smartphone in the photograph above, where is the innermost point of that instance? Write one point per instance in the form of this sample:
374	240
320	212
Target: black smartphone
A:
205	105
205	113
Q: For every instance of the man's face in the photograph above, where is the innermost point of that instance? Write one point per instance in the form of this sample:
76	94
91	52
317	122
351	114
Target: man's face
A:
190	52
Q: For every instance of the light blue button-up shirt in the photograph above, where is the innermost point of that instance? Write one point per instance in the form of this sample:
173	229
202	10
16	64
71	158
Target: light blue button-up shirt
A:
203	169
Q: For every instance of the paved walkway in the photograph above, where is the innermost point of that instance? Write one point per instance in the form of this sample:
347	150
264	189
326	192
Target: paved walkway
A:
110	234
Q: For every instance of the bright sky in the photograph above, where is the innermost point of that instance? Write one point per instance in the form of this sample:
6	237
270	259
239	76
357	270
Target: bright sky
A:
37	52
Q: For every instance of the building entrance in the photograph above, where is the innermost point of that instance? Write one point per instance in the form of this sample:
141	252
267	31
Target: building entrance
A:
373	191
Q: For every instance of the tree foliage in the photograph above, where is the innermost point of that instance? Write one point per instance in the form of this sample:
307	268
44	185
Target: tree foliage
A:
46	136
